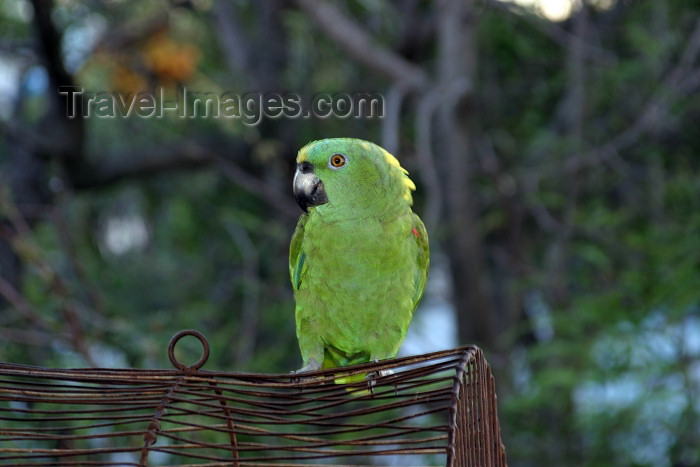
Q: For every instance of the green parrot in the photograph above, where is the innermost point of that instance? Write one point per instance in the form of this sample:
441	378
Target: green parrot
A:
359	256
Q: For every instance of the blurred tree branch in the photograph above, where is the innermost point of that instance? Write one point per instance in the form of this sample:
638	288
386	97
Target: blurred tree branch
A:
233	45
354	40
18	302
118	167
115	168
67	133
558	34
27	248
250	282
678	83
126	35
281	201
457	70
424	123
391	124
87	283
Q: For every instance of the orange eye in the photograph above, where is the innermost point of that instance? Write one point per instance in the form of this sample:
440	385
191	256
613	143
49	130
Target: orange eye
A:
336	161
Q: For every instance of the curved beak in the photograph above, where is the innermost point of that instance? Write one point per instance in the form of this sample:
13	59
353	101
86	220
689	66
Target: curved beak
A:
308	188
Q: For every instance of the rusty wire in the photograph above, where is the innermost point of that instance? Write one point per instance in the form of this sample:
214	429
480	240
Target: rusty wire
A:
434	409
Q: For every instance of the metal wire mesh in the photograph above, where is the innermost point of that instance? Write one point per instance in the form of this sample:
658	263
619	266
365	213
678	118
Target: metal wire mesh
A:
433	409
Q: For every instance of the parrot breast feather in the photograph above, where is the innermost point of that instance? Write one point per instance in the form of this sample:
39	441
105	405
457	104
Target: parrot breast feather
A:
297	256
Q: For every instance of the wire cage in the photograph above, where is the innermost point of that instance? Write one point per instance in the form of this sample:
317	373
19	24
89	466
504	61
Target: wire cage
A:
433	409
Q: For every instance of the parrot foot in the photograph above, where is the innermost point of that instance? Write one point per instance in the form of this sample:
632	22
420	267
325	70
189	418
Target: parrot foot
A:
372	377
380	373
312	365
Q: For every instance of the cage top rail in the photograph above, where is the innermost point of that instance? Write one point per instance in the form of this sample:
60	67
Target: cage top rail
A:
433	409
195	369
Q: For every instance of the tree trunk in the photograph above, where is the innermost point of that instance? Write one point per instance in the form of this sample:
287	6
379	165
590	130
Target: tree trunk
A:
456	143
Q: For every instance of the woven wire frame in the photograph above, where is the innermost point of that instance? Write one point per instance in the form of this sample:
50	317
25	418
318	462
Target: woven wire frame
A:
433	409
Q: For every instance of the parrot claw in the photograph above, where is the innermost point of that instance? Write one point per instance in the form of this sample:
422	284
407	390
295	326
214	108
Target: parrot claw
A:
302	379
378	374
371	378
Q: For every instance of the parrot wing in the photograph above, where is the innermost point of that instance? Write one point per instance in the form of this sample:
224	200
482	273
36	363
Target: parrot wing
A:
423	259
297	258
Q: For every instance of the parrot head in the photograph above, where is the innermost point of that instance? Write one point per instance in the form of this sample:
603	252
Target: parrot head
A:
345	175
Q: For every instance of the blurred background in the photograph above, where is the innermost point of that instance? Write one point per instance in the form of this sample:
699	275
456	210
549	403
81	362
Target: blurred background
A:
554	143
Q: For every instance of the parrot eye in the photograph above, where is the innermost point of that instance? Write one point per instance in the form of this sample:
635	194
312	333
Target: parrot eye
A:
336	161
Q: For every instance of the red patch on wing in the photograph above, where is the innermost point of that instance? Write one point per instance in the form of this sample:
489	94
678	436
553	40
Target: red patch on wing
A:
415	233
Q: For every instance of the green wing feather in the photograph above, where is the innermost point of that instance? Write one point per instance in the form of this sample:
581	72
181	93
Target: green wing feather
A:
297	258
423	262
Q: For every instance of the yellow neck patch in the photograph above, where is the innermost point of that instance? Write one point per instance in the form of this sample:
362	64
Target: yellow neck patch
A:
406	182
